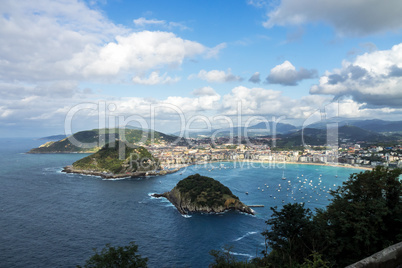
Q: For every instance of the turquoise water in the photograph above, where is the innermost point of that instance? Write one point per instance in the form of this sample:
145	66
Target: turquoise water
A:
52	219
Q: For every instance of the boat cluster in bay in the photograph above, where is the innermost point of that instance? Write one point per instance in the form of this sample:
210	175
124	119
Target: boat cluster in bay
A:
299	189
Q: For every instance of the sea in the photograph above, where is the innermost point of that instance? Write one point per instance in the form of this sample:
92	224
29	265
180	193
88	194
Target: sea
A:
52	219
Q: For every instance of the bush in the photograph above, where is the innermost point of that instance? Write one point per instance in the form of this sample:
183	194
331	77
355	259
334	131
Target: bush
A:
116	257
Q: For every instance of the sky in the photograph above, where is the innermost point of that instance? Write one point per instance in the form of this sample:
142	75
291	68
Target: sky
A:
71	65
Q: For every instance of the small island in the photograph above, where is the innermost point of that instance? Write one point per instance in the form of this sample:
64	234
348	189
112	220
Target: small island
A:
137	161
198	193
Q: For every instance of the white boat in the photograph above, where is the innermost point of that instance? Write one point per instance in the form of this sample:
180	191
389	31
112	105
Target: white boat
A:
283	176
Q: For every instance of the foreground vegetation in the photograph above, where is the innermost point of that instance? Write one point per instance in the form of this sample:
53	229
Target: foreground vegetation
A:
116	257
364	217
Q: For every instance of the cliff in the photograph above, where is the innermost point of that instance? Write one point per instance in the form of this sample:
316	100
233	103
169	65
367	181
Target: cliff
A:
198	193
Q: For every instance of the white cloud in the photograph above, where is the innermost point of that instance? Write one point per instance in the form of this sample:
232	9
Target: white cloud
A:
255	78
204	91
139	51
49	46
253	101
359	17
217	76
4	112
257	3
286	74
143	22
38	35
259	101
25	109
171	107
155	79
213	52
66	40
373	78
38	107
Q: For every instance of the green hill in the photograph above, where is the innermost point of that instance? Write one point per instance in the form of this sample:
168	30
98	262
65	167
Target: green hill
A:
91	141
198	193
108	159
318	137
204	190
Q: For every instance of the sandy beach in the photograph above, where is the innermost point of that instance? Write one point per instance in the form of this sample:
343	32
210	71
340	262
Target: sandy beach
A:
318	164
273	163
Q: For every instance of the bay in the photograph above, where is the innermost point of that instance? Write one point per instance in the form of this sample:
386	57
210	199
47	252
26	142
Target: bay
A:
52	219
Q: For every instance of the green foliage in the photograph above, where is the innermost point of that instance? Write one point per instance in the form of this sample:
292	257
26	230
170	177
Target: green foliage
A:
289	234
108	159
316	262
66	146
204	190
365	215
117	257
92	140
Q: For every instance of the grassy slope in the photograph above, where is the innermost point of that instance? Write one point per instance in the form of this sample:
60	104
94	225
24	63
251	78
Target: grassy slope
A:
107	160
97	138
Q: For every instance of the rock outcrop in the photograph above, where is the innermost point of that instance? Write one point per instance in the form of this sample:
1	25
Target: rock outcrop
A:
389	257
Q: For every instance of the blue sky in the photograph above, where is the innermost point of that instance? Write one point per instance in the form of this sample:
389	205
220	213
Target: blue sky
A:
183	63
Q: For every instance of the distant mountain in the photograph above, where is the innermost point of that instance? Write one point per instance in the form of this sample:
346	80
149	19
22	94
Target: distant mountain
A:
260	129
380	125
346	133
53	138
354	133
375	125
310	136
91	141
280	128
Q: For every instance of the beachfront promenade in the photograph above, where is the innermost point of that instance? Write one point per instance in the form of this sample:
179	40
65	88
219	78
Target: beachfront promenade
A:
349	157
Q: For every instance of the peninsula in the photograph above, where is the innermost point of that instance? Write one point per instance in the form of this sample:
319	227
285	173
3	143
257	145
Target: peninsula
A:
198	193
91	141
109	163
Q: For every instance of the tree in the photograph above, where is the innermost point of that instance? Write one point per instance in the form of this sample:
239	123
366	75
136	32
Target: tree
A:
289	235
316	262
365	215
117	257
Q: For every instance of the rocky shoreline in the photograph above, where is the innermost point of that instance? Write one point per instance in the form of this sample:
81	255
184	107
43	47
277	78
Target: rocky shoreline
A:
185	206
105	175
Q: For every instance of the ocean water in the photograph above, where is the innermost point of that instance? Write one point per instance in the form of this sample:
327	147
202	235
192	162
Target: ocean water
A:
52	219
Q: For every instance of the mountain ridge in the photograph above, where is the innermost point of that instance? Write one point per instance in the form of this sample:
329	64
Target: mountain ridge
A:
90	141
